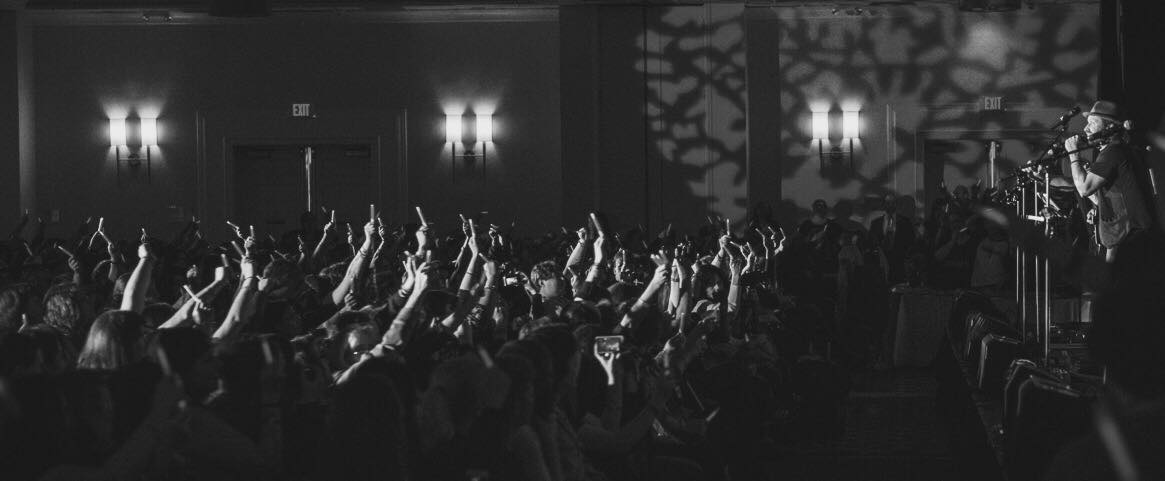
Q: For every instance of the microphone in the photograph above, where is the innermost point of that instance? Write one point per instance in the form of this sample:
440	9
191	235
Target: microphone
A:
1067	117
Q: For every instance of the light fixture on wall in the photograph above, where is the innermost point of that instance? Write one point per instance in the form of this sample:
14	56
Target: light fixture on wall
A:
453	128
117	133
454	134
147	134
821	134
485	129
850	130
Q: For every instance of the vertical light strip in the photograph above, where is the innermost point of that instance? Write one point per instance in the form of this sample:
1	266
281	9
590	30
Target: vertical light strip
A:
485	128
116	132
149	132
452	128
850	125
820	125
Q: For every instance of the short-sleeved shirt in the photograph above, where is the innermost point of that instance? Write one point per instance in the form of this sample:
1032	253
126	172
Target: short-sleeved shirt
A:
1122	204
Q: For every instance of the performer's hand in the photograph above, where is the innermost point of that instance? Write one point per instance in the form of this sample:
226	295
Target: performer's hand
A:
1070	144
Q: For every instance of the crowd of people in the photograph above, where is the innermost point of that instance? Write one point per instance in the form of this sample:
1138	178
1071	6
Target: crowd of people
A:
402	352
952	247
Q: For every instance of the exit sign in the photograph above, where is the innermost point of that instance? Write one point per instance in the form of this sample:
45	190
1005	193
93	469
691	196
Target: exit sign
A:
992	103
301	110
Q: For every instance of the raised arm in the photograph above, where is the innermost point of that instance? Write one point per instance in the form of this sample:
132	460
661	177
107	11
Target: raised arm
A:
134	298
395	334
464	293
325	237
647	298
243	306
198	302
736	269
576	255
358	265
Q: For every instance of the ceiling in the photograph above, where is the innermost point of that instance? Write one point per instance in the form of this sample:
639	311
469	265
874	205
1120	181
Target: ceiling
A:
228	11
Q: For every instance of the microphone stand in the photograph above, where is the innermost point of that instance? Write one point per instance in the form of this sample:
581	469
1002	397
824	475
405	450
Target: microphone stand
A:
1042	293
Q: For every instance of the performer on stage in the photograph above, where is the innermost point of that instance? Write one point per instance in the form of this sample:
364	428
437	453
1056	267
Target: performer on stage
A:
1111	182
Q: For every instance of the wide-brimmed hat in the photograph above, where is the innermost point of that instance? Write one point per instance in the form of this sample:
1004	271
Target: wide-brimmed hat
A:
1106	110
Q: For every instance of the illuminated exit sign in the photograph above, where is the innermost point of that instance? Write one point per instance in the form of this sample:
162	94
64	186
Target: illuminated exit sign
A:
992	103
301	110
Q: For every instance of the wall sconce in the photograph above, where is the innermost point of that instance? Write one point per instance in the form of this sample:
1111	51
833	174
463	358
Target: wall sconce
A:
116	133
452	129
821	134
485	128
850	130
147	132
483	133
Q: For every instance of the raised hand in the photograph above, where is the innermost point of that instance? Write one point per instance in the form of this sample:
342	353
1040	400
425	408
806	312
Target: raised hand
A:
474	248
608	361
351	302
663	266
370	232
422	237
736	268
423	278
247	267
144	249
238	230
75	264
331	225
410	272
600	258
620	261
489	269
249	247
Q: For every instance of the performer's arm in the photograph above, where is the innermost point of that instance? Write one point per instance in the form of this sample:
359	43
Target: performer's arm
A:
1087	183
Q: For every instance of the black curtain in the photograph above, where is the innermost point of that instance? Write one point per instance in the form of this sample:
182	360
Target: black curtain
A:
1131	62
1131	66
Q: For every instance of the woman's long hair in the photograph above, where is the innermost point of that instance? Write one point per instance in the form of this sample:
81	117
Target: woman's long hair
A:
114	341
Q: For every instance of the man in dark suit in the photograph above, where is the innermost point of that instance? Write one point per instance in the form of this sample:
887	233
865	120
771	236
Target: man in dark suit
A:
893	234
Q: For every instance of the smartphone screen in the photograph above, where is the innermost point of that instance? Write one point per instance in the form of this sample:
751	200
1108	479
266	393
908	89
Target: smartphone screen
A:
609	345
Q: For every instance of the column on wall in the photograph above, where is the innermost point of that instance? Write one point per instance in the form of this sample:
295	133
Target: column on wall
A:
654	113
16	154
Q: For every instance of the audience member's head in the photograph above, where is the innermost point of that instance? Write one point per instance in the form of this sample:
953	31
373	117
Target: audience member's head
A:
114	341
